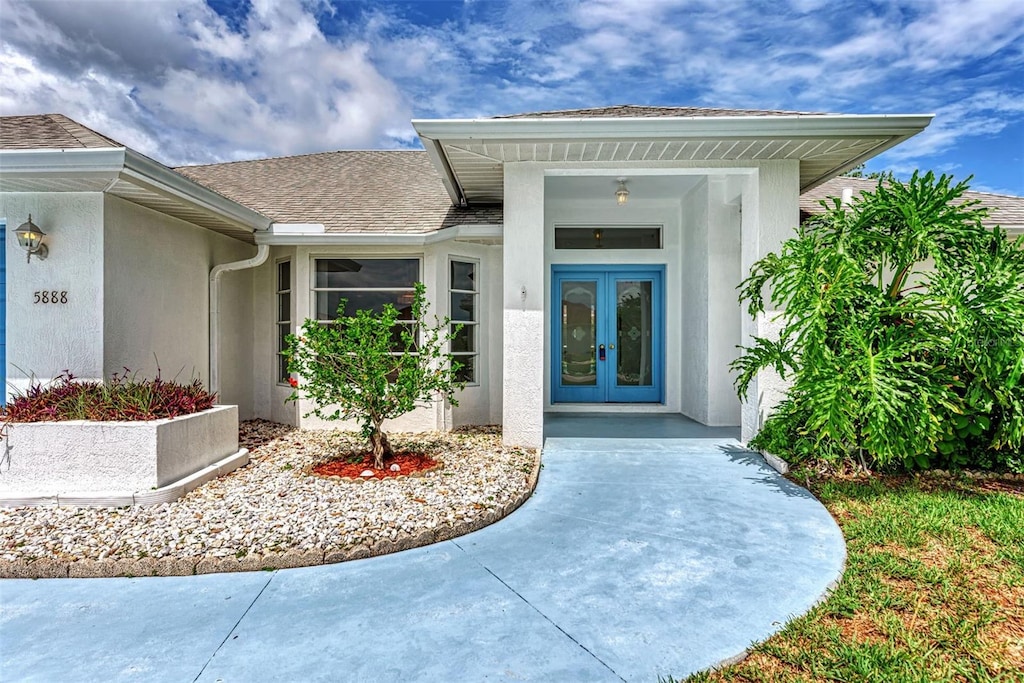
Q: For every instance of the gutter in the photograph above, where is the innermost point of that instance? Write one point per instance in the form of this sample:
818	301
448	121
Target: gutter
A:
142	170
668	127
490	233
120	163
262	252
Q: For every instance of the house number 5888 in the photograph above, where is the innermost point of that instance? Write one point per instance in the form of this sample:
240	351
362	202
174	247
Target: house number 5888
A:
50	296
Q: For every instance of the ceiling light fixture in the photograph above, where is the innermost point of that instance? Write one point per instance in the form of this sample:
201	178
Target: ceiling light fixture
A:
621	194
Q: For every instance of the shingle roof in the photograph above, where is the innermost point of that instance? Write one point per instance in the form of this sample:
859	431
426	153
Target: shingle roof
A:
642	111
396	191
1004	210
49	131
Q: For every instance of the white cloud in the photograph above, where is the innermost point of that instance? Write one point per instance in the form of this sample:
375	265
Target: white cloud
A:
173	80
985	113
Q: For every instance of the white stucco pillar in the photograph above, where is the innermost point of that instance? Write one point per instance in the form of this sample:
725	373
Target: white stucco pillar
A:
524	306
724	328
776	205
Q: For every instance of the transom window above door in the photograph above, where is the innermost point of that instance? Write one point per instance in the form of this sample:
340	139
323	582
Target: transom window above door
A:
608	237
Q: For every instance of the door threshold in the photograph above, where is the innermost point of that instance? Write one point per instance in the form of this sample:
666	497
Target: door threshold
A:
610	408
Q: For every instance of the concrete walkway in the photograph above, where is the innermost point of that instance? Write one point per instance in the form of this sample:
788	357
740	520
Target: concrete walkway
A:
634	559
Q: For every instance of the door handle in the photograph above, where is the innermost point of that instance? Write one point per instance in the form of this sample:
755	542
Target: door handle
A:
611	346
600	352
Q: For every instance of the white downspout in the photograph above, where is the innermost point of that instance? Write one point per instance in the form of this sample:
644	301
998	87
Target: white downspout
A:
262	252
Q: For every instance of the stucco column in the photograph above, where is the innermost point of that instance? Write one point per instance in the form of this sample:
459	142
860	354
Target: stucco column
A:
777	215
523	304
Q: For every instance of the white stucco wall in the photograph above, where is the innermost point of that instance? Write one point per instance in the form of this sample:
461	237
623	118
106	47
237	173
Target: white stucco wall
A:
692	302
268	395
524	306
44	340
156	304
775	203
724	310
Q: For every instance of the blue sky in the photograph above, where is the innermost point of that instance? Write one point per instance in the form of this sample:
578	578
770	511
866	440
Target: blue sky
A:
187	81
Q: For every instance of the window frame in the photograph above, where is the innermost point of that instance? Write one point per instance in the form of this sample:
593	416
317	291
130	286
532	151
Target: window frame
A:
475	324
278	293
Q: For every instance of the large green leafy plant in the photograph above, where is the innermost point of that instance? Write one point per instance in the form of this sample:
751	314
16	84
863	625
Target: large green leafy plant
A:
902	332
371	367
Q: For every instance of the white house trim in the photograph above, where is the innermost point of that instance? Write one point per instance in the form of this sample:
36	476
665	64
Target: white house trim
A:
57	170
489	234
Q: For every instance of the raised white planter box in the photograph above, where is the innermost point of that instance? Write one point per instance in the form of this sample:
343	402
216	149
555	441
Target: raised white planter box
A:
82	459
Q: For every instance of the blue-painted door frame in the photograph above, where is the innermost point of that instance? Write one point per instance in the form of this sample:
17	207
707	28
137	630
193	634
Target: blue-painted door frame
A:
606	389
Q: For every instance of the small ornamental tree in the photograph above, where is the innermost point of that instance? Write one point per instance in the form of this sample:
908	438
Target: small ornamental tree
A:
372	367
902	333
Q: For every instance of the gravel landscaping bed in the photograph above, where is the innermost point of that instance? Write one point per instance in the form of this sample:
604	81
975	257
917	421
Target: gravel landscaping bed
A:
273	514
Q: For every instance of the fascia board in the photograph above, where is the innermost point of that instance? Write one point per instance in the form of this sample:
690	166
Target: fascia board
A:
489	231
94	163
435	152
142	170
802	126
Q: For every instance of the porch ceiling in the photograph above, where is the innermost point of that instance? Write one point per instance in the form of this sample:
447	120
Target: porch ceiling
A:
470	153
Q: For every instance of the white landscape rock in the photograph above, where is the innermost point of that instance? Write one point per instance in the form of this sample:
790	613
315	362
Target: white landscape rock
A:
274	505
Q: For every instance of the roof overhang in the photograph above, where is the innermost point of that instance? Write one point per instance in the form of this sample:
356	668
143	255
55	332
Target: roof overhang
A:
130	176
470	153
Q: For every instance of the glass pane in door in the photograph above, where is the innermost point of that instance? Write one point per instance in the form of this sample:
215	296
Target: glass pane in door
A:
579	333
634	333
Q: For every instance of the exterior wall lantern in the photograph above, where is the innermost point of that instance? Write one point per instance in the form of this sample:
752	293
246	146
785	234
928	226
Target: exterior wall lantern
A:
30	238
622	194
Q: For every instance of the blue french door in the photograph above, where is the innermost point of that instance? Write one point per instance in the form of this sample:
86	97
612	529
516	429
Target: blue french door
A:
607	334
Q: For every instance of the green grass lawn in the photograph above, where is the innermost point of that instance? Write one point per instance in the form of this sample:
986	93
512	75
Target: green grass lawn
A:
933	589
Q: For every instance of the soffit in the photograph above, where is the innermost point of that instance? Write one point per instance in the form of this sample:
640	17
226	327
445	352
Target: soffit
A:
60	172
473	153
151	198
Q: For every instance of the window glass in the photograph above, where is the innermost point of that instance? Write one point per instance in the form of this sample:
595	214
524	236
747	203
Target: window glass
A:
597	237
284	276
284	318
463	306
366	284
327	303
463	276
464	293
343	273
467	373
464	341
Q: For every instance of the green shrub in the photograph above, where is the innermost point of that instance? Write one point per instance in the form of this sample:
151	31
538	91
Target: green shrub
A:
370	367
902	334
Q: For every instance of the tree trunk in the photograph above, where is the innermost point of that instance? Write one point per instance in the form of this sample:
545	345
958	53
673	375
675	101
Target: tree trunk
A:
381	447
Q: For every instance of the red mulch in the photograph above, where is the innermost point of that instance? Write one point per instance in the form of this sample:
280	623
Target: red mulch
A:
408	463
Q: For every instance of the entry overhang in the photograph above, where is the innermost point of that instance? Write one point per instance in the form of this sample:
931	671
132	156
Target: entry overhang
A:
470	153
